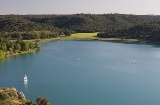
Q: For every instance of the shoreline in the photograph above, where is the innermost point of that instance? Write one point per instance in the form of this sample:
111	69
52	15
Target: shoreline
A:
81	37
93	37
19	53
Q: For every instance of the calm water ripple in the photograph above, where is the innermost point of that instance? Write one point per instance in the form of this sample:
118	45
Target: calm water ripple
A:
87	73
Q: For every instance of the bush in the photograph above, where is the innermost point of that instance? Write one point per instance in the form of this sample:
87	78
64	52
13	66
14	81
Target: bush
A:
42	101
2	54
29	103
3	96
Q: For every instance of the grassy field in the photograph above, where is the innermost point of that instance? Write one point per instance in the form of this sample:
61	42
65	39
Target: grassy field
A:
81	36
92	36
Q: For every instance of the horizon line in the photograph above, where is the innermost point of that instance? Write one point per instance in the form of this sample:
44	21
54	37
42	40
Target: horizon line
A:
82	13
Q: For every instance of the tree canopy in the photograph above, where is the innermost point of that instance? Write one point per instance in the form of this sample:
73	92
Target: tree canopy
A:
42	101
28	27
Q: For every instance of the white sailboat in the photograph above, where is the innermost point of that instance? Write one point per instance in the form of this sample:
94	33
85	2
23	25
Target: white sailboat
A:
25	78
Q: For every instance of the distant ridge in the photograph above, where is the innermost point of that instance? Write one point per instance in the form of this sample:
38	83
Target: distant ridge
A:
75	22
108	23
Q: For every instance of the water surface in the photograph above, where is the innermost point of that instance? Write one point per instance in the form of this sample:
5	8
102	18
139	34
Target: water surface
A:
105	73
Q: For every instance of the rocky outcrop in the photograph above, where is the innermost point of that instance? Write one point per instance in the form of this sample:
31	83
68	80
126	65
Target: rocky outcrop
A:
12	92
11	95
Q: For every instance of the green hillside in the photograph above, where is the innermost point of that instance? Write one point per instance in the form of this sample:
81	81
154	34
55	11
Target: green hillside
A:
51	26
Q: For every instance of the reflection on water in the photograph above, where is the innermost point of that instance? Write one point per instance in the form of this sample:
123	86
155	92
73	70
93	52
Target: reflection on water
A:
26	86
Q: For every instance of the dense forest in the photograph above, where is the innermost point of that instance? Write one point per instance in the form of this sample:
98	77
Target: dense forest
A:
150	32
50	26
26	27
58	24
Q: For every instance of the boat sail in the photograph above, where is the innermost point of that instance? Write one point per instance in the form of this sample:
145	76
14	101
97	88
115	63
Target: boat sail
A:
25	78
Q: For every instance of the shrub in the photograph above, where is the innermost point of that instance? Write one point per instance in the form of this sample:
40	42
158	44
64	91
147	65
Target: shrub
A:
3	96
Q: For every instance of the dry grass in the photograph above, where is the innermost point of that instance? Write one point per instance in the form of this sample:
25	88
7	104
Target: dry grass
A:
81	36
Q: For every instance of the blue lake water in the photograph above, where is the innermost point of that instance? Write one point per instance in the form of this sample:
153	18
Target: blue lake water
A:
105	73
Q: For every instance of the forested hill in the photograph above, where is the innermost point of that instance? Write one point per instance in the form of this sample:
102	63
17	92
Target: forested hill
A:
150	32
94	22
76	22
19	23
48	26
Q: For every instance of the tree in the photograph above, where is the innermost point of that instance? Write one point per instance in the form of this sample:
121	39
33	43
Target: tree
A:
17	46
2	54
67	33
24	46
29	103
42	101
3	46
10	45
31	45
37	46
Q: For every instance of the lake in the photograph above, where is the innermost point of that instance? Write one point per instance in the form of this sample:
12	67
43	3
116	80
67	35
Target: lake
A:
87	73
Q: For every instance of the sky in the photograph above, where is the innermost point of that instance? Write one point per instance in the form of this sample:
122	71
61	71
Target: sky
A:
23	7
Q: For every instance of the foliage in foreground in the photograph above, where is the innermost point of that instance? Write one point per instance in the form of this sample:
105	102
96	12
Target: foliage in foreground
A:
42	101
10	96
